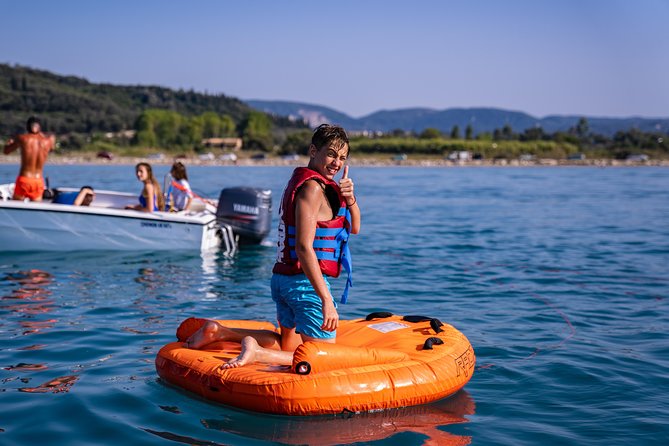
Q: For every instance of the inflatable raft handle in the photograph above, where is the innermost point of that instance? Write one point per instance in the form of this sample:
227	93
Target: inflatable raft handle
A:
317	357
429	342
303	368
435	323
378	315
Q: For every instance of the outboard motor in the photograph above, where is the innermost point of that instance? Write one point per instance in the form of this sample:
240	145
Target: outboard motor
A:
248	211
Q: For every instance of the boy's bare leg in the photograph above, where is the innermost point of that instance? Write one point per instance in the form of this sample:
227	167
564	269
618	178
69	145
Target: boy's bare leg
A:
253	352
212	331
289	339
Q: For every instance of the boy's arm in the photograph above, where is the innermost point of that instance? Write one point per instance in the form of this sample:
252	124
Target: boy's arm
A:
307	203
355	217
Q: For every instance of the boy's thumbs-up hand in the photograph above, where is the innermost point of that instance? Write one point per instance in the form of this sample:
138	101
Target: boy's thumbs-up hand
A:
346	187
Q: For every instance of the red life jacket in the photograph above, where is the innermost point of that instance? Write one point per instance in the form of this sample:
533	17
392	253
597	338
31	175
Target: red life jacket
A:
331	235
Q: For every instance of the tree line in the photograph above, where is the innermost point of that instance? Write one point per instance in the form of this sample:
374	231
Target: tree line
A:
172	131
505	142
79	112
83	113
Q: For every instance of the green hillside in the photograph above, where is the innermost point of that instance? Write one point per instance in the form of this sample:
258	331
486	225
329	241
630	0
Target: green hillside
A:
68	104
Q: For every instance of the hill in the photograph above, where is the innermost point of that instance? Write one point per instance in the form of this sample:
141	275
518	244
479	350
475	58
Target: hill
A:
481	119
72	104
69	104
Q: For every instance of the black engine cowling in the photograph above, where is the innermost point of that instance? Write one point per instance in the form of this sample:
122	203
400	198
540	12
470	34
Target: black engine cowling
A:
248	211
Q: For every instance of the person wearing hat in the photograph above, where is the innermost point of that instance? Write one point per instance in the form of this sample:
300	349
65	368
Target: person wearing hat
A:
35	147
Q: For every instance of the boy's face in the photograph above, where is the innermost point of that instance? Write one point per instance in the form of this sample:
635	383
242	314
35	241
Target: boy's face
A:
328	160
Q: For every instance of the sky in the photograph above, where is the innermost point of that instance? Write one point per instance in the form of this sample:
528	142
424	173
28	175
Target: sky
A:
598	58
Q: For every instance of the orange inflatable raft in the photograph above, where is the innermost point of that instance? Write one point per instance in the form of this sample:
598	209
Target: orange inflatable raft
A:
381	362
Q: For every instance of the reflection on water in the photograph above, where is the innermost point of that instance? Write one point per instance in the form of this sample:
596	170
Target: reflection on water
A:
24	366
29	295
83	305
150	278
182	438
73	286
56	385
32	283
427	420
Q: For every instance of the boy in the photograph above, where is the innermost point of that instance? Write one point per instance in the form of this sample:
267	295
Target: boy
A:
313	209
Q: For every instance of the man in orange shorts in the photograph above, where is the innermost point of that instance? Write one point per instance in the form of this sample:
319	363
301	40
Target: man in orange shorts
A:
35	147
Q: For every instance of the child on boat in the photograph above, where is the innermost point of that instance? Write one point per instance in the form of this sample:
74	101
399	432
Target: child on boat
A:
179	194
150	199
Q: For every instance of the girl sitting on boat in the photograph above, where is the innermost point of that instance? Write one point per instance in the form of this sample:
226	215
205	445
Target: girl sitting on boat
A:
179	194
151	199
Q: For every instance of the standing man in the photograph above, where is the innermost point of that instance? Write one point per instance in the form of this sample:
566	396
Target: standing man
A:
35	147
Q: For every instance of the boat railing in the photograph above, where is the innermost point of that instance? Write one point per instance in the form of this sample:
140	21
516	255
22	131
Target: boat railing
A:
229	240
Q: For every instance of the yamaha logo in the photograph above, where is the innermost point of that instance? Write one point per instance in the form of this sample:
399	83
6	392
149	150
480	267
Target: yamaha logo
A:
245	209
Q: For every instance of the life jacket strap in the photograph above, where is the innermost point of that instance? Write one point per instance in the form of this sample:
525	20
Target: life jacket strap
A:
346	261
320	232
333	249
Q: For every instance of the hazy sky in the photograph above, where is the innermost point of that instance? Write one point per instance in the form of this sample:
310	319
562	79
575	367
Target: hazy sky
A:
583	57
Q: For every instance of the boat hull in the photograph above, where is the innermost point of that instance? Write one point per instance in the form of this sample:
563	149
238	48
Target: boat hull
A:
55	227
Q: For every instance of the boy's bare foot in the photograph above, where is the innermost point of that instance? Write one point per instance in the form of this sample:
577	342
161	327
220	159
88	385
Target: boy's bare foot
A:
248	354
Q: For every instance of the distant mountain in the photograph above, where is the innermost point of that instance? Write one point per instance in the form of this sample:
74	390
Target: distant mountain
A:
481	119
312	114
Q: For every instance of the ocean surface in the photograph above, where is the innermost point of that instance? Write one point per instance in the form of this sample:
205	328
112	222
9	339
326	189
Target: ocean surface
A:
559	277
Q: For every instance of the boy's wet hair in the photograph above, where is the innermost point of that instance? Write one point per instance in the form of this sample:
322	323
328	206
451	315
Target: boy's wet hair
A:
327	135
32	120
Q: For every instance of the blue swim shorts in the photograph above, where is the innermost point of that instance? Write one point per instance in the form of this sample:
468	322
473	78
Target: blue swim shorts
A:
298	306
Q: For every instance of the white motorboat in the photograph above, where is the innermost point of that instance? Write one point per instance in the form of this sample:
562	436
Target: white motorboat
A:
105	224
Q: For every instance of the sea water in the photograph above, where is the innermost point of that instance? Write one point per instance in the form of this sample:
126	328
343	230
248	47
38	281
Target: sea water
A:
558	277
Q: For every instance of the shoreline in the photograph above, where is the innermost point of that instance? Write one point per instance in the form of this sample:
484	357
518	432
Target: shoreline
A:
354	161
